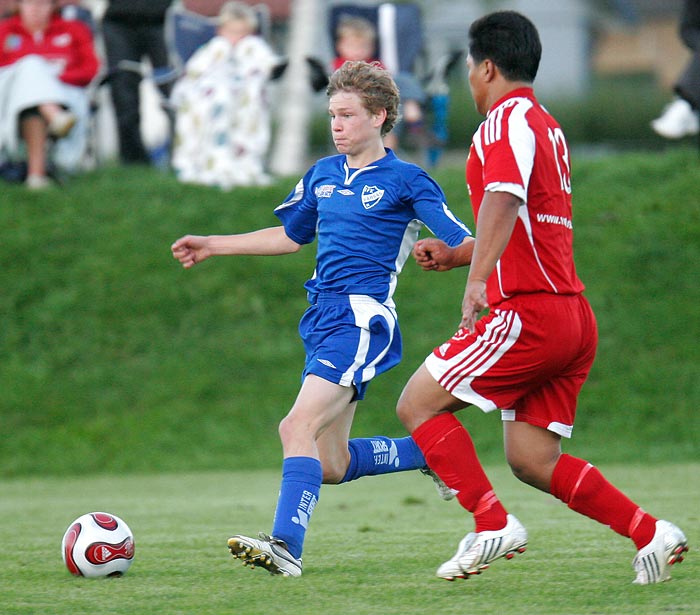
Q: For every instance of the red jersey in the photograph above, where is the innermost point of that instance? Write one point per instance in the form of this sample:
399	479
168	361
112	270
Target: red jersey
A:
68	42
520	148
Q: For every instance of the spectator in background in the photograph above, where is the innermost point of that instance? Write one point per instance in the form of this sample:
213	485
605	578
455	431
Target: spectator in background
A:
45	64
222	111
133	30
680	118
356	40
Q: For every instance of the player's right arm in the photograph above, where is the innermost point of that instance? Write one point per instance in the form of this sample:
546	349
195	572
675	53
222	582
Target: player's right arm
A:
433	254
272	241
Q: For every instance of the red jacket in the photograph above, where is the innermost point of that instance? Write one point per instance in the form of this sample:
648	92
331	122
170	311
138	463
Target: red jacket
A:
339	61
68	41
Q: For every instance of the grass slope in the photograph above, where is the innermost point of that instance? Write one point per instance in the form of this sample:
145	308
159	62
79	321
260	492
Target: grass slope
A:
114	359
373	547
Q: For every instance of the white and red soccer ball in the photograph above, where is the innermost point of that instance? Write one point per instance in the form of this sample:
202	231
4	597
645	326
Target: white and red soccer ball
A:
98	544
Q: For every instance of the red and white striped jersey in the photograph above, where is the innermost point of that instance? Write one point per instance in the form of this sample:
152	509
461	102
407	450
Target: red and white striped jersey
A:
520	148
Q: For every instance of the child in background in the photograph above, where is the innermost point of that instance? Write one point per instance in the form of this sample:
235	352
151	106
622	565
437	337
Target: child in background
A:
222	126
356	40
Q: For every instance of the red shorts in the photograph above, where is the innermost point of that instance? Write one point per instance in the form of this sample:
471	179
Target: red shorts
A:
529	357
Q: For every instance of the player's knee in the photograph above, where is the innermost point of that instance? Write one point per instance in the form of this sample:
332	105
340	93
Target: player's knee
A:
402	412
286	430
530	472
521	471
333	473
523	467
408	412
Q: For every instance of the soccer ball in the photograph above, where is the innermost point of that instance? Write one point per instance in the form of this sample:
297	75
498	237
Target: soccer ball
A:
98	544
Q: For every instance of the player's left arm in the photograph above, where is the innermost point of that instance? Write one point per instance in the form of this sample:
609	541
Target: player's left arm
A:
496	219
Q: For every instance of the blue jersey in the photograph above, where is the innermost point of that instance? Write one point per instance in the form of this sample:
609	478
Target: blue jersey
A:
366	221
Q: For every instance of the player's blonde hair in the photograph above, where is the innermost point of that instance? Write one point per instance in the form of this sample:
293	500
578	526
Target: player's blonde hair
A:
373	84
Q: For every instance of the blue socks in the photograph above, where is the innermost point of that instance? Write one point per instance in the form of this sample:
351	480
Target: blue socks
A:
301	484
382	455
302	478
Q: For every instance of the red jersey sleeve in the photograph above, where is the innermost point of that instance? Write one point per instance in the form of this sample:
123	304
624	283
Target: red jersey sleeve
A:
520	149
82	63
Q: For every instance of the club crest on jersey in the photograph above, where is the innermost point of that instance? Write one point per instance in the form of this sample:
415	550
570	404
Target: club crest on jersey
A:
325	191
371	195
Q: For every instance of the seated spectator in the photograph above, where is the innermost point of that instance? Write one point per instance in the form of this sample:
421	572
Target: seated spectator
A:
222	111
45	64
356	39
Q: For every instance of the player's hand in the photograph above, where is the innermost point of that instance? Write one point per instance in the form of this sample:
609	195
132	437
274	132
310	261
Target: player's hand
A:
474	303
190	250
433	254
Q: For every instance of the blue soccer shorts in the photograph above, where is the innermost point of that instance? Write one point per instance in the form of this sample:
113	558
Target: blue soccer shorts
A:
349	339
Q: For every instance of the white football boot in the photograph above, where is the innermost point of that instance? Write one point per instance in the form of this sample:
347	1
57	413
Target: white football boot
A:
443	490
666	548
268	553
476	551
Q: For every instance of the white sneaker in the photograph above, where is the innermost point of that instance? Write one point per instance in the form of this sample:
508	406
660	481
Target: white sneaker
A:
443	490
268	552
37	182
678	120
476	551
666	548
61	124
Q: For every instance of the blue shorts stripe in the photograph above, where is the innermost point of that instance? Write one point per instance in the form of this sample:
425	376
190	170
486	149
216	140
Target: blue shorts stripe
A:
349	339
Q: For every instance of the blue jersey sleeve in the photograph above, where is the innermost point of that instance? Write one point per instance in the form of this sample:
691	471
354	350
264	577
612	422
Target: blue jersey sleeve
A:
299	212
431	209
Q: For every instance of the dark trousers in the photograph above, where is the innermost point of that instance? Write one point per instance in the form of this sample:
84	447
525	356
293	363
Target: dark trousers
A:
688	84
131	42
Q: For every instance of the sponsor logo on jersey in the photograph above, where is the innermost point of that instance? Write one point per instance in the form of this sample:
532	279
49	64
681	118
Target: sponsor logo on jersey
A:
371	195
325	191
346	192
553	219
327	363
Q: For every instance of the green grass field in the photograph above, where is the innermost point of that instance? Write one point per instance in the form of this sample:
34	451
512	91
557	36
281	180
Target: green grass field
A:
373	547
115	359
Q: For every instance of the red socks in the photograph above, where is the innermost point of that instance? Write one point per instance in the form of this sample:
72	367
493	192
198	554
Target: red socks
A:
584	489
449	451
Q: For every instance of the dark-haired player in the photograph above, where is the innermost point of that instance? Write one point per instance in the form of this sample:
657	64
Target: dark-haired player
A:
532	353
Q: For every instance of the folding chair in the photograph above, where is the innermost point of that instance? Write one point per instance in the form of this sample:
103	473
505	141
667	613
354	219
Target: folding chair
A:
186	31
399	32
78	12
401	48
